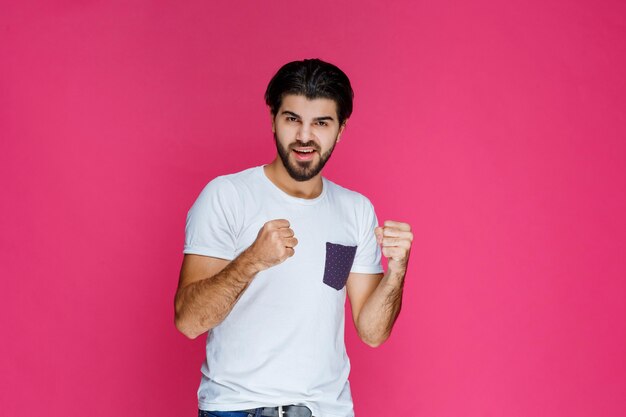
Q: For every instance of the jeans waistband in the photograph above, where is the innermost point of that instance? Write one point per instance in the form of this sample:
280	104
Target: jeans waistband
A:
281	411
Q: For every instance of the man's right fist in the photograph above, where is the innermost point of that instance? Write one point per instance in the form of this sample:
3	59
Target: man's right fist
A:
273	244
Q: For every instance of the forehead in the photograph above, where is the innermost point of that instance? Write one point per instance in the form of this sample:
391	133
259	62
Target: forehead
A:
308	108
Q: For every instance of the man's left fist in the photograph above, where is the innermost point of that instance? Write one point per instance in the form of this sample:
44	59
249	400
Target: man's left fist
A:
395	239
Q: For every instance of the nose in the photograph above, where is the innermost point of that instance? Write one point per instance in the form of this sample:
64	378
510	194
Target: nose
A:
304	133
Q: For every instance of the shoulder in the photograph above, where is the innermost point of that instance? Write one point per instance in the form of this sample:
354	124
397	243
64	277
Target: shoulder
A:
226	190
348	196
230	183
224	194
246	176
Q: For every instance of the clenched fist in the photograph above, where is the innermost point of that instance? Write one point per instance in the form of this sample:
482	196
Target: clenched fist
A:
273	244
395	239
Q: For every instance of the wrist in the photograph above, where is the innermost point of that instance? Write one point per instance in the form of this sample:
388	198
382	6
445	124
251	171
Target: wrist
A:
250	262
396	267
395	275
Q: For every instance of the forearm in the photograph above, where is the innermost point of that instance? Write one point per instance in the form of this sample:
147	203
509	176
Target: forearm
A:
204	304
380	311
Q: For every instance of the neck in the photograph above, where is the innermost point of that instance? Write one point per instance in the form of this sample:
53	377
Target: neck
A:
277	173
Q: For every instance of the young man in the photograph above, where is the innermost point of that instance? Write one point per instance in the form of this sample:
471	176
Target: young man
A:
270	253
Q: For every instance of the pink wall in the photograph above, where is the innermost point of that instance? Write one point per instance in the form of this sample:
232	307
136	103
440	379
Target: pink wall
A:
495	129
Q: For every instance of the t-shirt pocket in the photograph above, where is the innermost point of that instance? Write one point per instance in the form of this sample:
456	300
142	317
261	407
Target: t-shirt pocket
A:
339	259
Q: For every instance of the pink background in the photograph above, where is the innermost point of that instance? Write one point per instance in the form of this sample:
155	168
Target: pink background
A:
495	128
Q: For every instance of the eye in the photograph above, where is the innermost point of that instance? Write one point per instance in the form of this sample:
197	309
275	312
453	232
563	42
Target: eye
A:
322	123
291	119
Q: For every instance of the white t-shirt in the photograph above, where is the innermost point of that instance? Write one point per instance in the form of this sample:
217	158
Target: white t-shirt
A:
283	341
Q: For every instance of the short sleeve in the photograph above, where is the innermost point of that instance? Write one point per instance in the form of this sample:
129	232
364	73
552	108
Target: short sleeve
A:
368	254
211	227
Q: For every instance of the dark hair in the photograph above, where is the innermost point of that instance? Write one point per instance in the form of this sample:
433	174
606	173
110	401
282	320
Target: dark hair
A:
312	78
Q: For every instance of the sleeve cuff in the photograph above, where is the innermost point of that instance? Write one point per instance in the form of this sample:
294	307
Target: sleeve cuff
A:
371	269
214	253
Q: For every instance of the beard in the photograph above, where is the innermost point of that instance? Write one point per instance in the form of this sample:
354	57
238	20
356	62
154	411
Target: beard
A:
302	170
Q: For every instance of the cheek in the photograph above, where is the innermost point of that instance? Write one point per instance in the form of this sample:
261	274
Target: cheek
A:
284	130
284	136
327	139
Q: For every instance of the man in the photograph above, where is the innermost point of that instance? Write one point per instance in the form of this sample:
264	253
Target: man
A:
270	253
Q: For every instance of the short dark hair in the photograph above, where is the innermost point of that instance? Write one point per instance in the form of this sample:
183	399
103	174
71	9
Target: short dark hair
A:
312	78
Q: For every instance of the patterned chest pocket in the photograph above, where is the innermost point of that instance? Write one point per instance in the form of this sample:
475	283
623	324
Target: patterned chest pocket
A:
339	259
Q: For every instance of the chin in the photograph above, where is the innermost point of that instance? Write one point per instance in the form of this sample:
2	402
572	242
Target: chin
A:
300	175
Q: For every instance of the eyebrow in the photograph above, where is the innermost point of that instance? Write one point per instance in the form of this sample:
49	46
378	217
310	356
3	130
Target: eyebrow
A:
317	119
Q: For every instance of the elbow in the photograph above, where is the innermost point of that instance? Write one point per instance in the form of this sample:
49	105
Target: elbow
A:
184	322
373	341
373	344
372	336
186	328
192	327
188	333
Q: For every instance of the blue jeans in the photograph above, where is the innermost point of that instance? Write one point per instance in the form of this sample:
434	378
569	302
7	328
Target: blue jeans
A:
202	413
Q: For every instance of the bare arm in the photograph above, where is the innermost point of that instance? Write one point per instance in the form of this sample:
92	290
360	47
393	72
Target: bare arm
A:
208	288
375	304
376	300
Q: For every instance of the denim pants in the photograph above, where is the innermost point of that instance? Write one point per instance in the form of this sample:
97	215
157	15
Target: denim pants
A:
202	413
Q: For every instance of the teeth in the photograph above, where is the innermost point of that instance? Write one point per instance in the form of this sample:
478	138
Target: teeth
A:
304	151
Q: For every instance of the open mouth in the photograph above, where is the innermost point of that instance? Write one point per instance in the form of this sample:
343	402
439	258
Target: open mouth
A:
304	154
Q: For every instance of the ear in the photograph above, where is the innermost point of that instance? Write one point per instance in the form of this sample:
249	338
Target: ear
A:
341	129
273	120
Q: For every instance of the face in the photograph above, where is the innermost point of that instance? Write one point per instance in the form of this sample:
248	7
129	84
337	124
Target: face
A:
306	132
